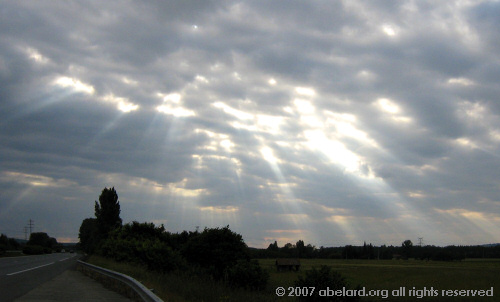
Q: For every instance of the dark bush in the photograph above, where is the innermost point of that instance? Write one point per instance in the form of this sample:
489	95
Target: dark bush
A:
215	250
142	243
247	274
324	278
33	250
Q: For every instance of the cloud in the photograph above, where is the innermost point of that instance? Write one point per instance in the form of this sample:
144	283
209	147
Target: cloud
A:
335	123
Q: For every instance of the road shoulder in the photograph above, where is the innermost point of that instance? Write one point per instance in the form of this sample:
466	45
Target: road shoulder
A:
72	285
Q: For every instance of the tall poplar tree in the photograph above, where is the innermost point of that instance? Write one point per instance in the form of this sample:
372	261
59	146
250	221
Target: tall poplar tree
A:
107	212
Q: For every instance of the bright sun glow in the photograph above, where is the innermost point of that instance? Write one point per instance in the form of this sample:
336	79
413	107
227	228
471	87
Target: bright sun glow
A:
234	112
220	209
304	106
389	30
305	91
172	97
172	105
460	81
177	112
127	107
36	56
387	106
269	123
333	150
267	154
75	84
122	104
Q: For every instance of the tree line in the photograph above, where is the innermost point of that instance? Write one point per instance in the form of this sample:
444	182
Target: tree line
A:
216	253
7	244
39	243
368	251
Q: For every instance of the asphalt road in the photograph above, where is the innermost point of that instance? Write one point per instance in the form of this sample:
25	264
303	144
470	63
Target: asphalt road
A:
19	275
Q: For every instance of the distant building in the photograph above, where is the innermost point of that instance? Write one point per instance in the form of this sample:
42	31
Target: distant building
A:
287	265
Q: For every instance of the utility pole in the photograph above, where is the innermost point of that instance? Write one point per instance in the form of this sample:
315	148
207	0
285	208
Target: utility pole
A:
25	233
31	225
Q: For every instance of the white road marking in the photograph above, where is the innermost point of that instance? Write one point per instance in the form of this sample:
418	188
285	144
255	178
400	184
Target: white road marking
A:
29	269
67	258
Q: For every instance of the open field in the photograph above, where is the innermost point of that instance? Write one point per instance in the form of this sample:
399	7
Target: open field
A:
393	274
371	274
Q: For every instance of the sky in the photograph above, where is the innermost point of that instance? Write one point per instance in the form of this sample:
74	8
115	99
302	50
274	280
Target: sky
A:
334	122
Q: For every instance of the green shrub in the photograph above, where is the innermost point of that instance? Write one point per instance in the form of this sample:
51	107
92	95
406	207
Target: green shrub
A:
142	244
159	256
215	251
247	274
324	278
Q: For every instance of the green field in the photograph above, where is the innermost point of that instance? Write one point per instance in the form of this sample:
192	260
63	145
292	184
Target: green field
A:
393	274
371	274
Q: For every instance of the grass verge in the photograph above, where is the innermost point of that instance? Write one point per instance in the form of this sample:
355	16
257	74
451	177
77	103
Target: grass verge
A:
179	287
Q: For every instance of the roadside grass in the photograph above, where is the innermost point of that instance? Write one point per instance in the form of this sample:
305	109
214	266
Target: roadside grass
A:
177	287
410	274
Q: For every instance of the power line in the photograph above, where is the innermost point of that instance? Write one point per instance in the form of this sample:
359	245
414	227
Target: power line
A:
420	241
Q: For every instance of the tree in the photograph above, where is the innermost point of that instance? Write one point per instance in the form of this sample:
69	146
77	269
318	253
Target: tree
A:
40	238
143	243
215	250
88	235
301	248
368	251
407	246
349	252
40	243
273	246
107	212
4	243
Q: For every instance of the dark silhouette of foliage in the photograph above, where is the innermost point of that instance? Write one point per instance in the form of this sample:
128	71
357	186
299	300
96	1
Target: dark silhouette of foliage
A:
273	246
247	274
4	244
34	250
143	243
88	235
215	250
107	212
407	247
40	243
368	251
42	239
321	279
93	231
7	243
350	252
